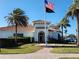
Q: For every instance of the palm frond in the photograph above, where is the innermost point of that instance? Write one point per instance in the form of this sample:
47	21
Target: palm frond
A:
73	9
17	17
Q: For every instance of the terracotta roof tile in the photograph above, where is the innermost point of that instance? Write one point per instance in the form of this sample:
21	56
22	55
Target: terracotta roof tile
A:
29	28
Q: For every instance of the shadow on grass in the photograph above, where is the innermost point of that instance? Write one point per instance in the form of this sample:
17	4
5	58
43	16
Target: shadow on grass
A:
13	47
62	46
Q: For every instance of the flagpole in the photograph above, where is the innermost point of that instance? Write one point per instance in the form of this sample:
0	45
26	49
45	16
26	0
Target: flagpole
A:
45	24
48	7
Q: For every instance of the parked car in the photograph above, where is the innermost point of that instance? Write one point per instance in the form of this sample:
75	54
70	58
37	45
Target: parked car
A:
71	40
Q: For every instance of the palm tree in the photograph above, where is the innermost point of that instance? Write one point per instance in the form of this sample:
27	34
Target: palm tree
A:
64	23
74	12
65	31
17	18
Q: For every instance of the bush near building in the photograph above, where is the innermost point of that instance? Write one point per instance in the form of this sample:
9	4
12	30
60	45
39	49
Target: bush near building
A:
10	42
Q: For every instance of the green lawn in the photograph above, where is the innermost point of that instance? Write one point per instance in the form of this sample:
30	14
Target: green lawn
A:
65	50
27	48
69	58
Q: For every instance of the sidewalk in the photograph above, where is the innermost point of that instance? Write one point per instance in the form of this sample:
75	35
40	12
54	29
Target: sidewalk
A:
55	45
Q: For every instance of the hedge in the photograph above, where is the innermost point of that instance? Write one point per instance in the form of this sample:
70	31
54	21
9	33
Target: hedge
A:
10	42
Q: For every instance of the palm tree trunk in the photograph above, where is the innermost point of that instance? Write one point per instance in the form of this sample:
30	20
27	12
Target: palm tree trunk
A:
65	33
77	16
16	33
62	30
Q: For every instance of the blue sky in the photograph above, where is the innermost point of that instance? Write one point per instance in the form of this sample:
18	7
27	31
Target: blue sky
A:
34	9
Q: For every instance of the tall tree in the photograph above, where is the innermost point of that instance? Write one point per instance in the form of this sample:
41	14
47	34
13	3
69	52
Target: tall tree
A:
64	23
17	18
74	12
65	31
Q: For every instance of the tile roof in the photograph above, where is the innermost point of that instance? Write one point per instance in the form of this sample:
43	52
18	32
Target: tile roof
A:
29	28
40	22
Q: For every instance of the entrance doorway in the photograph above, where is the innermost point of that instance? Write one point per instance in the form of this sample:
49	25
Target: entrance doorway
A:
41	37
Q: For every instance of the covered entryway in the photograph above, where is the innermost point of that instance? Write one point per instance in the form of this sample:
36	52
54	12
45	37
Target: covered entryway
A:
41	37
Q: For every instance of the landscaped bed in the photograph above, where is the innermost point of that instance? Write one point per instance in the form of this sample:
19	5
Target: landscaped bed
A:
69	58
27	48
74	50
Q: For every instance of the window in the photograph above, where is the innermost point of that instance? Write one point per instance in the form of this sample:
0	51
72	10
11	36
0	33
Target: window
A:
41	27
18	34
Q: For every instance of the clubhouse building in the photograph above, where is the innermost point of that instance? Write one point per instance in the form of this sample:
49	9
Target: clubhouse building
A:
36	30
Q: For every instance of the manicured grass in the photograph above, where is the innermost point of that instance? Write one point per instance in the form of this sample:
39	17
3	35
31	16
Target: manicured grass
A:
69	58
66	50
27	48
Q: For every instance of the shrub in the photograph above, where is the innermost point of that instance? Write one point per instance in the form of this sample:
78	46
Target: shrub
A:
10	42
53	40
7	43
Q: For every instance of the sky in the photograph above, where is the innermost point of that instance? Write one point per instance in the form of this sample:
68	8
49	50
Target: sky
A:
34	9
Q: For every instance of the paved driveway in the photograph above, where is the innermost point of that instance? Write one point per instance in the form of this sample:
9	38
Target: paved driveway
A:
41	54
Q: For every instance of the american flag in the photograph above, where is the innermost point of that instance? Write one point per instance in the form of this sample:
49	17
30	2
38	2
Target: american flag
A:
49	6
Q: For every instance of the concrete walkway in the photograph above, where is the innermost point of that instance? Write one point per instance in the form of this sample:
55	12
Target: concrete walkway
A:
44	51
57	45
41	54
